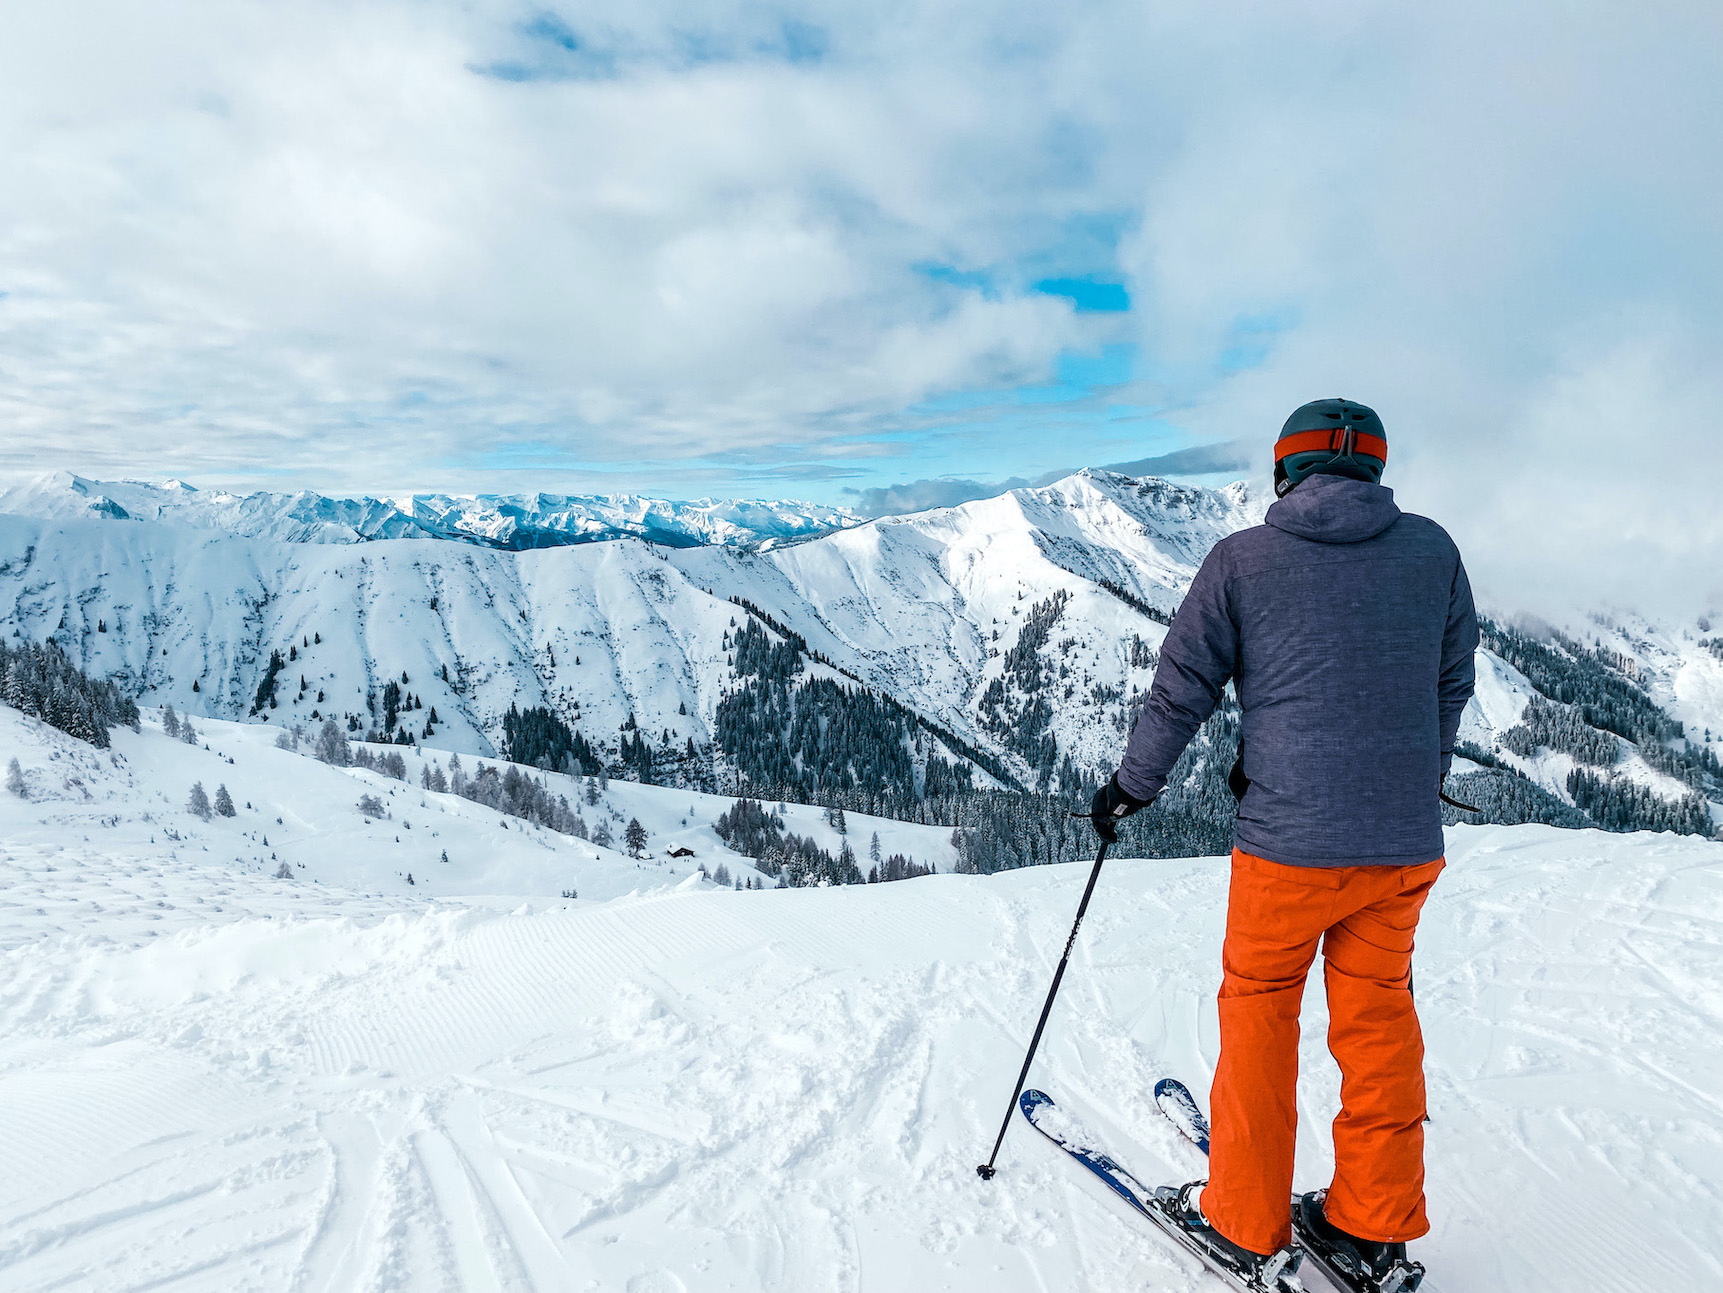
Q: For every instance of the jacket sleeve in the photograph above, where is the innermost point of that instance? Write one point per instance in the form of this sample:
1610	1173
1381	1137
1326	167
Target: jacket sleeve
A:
1459	673
1198	656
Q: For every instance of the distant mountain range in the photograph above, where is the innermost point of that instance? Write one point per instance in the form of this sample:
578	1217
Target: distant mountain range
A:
512	522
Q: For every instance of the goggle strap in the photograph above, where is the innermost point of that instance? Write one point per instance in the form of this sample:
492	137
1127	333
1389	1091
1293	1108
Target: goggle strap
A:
1336	440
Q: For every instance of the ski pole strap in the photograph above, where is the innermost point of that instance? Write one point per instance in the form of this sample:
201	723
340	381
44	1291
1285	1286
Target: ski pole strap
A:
1455	803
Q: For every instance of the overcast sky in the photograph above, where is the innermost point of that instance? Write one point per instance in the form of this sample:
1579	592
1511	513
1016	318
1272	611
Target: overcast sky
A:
886	253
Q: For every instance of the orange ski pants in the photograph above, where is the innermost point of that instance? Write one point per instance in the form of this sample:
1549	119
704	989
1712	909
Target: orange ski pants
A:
1364	917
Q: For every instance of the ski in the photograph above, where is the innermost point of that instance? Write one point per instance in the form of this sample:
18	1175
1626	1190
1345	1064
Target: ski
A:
1154	1205
1174	1099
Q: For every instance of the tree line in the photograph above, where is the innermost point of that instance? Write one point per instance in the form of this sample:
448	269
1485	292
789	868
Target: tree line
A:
39	680
797	861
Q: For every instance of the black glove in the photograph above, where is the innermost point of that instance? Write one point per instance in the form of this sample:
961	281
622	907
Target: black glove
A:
1112	804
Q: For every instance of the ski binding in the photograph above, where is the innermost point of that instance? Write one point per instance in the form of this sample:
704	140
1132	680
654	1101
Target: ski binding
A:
1342	1266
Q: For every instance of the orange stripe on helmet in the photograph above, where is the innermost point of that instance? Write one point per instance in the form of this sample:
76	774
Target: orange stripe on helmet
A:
1330	439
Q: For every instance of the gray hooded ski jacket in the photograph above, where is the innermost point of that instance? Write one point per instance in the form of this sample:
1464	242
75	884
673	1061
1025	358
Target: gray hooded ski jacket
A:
1347	629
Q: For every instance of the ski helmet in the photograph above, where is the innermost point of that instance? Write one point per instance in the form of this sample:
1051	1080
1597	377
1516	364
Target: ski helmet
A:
1331	438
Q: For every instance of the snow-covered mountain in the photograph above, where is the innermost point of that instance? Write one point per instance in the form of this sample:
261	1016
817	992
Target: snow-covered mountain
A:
1017	624
923	608
510	521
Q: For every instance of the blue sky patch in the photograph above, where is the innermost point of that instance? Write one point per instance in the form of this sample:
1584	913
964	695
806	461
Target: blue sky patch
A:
554	52
970	280
1090	296
1112	366
552	31
804	42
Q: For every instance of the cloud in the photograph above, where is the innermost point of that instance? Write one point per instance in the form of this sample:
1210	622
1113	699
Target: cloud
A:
372	244
946	491
1452	240
1199	460
403	229
920	495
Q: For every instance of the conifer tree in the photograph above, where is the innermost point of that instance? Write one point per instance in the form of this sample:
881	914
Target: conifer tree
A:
170	722
197	803
224	801
15	780
635	836
332	747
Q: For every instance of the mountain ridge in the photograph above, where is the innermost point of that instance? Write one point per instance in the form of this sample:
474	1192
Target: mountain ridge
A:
512	522
1020	630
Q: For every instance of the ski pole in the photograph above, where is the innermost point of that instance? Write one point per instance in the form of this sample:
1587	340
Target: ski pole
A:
985	1171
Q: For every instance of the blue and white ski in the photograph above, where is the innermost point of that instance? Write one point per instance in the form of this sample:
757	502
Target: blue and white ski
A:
1154	1205
1176	1101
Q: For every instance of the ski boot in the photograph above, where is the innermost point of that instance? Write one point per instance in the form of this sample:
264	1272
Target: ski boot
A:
1362	1265
1271	1272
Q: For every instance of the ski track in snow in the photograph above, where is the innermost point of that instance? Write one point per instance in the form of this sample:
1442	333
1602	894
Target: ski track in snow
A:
788	1090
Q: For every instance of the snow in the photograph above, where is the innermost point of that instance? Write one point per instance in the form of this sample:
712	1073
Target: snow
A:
212	1079
1680	675
85	803
1501	698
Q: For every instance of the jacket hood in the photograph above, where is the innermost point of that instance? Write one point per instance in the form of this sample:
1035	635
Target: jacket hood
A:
1335	509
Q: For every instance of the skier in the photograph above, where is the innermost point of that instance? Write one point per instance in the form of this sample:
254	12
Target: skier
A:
1347	630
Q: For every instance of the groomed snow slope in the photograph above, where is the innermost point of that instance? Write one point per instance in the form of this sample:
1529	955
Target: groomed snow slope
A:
788	1090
